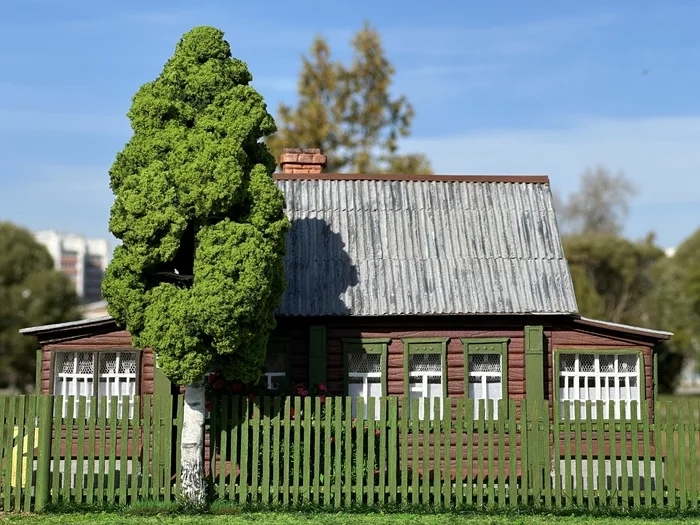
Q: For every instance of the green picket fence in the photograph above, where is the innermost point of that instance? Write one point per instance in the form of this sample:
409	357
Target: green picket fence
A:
282	451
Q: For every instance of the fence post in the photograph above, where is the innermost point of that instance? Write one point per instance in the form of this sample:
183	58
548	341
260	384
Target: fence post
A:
43	468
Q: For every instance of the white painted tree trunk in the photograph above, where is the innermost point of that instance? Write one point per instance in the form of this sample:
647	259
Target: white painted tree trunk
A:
192	446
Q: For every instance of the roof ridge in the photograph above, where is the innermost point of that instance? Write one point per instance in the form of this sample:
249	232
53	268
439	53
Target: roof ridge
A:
514	179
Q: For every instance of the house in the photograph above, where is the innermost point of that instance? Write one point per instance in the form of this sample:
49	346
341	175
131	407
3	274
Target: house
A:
423	286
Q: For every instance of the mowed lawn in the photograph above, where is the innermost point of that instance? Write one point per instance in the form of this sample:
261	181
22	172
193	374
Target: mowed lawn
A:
329	519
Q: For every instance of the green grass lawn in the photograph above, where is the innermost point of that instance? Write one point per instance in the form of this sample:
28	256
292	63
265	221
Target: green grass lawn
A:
328	519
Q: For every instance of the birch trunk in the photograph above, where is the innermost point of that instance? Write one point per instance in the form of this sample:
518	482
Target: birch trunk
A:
192	446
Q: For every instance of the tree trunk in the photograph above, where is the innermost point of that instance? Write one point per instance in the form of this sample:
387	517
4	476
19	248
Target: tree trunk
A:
192	446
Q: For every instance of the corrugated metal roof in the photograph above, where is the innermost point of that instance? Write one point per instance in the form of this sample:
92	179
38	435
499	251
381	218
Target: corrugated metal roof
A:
398	247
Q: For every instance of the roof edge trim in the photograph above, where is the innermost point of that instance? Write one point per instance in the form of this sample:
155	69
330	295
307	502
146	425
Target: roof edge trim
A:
517	179
657	334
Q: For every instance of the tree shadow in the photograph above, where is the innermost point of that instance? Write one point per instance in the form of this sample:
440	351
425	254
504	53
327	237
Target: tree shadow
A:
318	271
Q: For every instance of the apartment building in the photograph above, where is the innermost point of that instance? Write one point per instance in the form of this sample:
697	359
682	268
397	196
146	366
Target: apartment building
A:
82	260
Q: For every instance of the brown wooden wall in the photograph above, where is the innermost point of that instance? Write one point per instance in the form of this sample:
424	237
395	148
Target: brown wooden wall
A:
115	340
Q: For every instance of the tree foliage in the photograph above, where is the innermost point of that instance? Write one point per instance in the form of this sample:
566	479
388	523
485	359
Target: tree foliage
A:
32	293
200	270
348	111
600	205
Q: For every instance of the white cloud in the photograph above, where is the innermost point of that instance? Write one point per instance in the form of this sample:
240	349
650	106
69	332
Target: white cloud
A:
660	155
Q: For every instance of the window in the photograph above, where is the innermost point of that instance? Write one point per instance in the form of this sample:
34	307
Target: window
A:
275	370
425	372
365	365
608	377
485	373
109	374
277	364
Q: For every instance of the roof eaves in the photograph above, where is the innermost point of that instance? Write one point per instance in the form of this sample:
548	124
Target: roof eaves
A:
70	324
657	334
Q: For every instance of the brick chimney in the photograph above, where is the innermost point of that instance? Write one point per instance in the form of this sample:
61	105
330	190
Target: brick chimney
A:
302	160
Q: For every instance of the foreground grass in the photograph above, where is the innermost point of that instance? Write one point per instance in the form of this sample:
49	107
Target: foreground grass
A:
290	518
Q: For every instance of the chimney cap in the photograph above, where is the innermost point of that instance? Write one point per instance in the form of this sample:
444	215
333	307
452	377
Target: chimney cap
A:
302	160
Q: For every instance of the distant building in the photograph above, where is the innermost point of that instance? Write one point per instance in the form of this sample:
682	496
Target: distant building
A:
82	260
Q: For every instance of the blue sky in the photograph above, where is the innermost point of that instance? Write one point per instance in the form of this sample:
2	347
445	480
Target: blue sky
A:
506	87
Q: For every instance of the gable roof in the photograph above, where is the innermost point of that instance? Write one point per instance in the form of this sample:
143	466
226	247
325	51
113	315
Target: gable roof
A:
422	245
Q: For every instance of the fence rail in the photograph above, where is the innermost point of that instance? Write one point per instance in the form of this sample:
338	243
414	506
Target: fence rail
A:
313	450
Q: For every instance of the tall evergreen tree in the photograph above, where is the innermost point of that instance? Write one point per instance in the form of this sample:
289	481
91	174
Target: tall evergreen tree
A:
200	271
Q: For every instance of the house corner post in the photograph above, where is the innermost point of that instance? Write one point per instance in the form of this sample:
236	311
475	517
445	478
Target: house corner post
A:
43	474
317	354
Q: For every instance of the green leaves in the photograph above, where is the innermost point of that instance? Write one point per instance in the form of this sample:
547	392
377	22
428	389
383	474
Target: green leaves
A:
32	293
200	272
348	111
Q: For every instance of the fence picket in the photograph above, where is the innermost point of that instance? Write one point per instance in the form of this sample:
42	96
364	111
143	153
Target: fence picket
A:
371	415
68	451
682	434
315	495
447	453
179	415
491	493
382	450
436	472
235	428
634	441
276	440
103	449
512	454
425	434
360	466
266	451
600	439
327	451
146	460
80	450
123	450
624	466
347	412
135	444
337	463
568	480
481	431
403	419
415	463
556	453
578	452
245	450
524	455
393	445
646	453
590	494
459	448
658	457
255	452
224	432
469	466
31	426
693	471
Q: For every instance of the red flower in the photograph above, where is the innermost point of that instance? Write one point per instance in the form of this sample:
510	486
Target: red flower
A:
376	432
237	387
322	387
207	405
251	397
332	439
219	384
291	411
322	398
212	378
303	392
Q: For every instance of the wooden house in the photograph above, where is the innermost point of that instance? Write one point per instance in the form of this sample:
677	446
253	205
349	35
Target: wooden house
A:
424	286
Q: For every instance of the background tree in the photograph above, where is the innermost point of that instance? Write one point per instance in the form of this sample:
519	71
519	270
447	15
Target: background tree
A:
619	280
600	205
32	293
200	271
348	111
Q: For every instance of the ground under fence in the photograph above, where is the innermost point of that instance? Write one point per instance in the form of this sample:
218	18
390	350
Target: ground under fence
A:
292	450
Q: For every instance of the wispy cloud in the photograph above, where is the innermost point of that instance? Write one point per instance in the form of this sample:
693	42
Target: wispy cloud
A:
492	41
17	121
